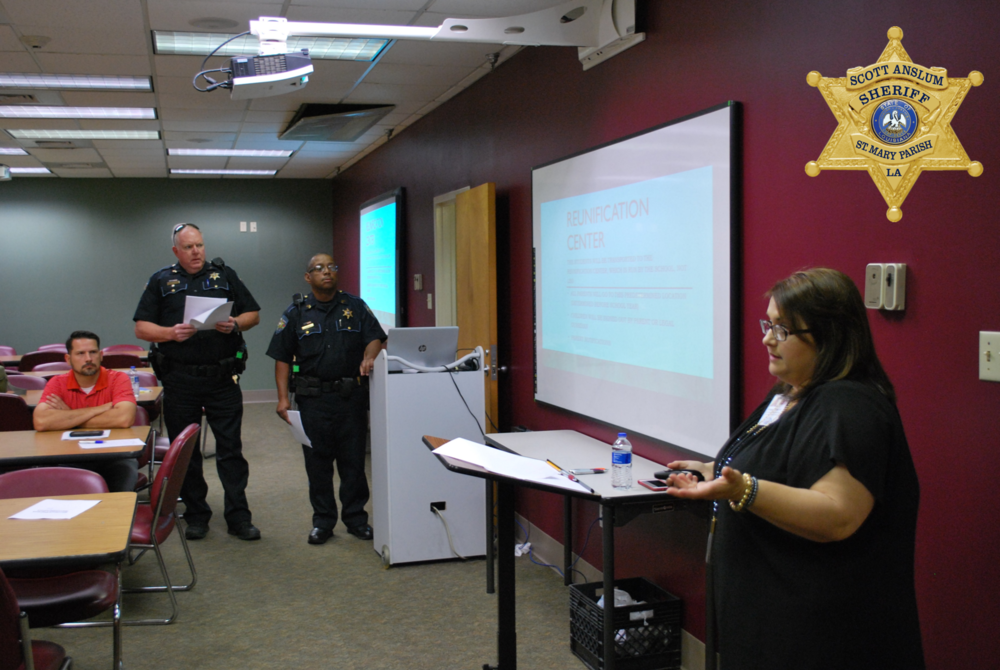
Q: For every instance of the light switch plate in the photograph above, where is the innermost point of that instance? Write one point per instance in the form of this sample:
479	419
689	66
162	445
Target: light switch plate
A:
418	282
430	301
989	355
894	295
874	286
243	226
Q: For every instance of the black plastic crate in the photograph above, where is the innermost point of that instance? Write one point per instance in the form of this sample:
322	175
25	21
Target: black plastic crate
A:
653	644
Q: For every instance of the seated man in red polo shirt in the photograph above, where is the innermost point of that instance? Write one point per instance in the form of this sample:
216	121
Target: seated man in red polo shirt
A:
90	396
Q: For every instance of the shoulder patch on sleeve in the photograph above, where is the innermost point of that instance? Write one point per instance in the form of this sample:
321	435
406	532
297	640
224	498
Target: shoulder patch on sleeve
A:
282	322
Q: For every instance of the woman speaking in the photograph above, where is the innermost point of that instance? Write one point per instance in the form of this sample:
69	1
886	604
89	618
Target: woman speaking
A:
815	498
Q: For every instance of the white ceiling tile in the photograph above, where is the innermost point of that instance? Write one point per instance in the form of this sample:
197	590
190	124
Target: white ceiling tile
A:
108	99
9	40
318	149
377	93
107	39
184	66
268	117
178	14
93	63
128	144
84	16
247	163
198	126
181	136
39	124
18	62
195	100
416	74
20	161
263	128
133	154
67	155
112	124
215	115
143	173
197	162
93	173
265	141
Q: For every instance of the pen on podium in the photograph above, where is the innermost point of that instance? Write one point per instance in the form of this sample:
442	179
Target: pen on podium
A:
569	476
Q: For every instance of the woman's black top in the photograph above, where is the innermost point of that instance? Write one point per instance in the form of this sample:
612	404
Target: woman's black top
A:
783	601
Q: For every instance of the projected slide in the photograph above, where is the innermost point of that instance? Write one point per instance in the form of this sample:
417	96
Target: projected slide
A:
629	273
378	260
633	281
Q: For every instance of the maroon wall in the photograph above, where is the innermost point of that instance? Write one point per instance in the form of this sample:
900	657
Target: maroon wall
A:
541	106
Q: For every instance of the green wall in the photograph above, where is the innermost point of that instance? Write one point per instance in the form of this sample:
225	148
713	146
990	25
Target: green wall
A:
76	254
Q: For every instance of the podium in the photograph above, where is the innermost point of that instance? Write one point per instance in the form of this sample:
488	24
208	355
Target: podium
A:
407	478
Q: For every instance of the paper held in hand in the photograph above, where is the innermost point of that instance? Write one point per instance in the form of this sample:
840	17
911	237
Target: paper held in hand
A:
508	464
204	313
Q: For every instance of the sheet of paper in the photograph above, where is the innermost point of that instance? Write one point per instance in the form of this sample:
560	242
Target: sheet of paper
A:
204	313
104	444
298	432
55	509
67	436
507	464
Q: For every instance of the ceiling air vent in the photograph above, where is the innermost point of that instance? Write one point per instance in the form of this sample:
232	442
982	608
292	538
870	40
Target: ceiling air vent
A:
18	99
333	123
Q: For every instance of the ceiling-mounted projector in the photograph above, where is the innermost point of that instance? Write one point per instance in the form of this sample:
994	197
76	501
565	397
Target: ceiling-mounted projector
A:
263	76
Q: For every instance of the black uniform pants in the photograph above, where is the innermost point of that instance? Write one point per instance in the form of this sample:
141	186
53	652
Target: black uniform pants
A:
337	428
184	397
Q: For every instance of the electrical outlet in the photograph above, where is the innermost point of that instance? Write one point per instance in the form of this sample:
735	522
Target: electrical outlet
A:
253	226
989	356
438	506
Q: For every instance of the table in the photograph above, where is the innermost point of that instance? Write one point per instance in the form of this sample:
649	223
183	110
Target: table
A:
101	534
570	450
147	396
21	448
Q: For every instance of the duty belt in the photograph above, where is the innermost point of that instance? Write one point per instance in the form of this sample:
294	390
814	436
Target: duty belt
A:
223	368
314	386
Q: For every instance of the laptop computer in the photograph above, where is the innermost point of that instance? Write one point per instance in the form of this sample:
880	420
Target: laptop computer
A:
426	347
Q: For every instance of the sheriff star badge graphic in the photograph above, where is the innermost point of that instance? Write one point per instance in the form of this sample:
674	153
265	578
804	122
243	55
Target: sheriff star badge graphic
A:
894	120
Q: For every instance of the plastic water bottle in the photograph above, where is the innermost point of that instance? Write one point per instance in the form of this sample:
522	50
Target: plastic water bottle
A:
134	378
621	463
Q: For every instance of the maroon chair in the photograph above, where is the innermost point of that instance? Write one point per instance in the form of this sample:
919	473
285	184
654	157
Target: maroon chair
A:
17	650
14	413
33	358
112	361
146	457
122	348
54	366
154	522
56	597
149	380
26	382
53	347
7	351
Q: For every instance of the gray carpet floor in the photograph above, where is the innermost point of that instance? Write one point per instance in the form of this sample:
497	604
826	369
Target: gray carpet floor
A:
282	603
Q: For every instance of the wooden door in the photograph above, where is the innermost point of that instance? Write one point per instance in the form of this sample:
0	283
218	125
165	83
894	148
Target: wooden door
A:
476	283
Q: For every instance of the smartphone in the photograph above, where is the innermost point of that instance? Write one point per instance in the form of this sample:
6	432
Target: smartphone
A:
654	484
663	474
86	433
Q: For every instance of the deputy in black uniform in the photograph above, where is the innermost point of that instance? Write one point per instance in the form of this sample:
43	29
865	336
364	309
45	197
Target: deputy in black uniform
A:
198	369
330	340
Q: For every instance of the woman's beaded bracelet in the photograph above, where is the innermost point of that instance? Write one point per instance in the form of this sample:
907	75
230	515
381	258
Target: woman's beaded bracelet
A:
747	489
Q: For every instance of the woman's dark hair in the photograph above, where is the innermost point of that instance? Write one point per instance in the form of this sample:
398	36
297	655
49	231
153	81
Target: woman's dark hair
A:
829	304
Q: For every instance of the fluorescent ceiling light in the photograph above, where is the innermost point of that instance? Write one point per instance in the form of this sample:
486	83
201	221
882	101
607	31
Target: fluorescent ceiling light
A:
12	151
168	42
74	81
40	112
33	170
85	134
261	173
230	152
